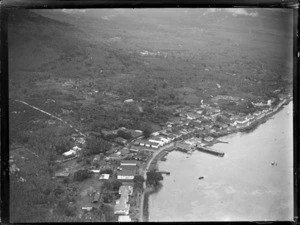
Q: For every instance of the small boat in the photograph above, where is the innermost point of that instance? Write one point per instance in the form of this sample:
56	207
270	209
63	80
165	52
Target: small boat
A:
200	178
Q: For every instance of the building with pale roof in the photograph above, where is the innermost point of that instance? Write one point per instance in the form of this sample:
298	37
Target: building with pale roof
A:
125	218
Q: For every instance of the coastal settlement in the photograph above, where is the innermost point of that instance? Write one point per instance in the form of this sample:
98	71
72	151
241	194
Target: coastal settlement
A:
115	182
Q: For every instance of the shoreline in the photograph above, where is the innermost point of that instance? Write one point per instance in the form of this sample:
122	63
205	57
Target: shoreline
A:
149	191
247	129
250	127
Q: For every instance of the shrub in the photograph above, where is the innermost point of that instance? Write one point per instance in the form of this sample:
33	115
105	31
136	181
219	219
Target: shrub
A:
88	162
70	210
97	145
124	134
108	171
81	175
66	180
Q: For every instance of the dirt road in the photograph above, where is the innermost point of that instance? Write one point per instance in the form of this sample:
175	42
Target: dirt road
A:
53	116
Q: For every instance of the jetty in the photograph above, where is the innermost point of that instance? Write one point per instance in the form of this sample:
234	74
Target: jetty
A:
164	172
211	151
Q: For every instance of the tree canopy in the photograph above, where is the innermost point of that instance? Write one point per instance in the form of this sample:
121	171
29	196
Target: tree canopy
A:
146	132
97	145
124	134
154	177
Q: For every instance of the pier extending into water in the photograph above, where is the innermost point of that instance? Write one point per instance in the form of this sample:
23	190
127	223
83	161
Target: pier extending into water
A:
164	172
211	151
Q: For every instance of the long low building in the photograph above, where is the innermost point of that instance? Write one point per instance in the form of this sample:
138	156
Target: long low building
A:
128	163
147	143
127	173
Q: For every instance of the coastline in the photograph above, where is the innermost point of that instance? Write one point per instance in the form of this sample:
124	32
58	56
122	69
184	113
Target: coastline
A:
250	128
148	192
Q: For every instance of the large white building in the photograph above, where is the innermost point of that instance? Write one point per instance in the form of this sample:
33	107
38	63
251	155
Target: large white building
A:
69	153
122	206
160	140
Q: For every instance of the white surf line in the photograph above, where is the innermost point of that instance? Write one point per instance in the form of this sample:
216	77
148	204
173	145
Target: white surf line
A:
49	114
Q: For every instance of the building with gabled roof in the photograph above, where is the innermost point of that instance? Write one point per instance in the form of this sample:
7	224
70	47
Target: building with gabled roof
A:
127	173
122	206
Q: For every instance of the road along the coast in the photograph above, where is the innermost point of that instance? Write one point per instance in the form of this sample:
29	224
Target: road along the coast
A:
155	154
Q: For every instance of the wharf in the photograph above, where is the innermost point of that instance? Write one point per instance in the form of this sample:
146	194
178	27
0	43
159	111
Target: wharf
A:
164	172
211	151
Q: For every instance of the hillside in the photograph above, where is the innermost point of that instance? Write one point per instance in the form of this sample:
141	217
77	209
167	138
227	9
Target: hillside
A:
80	65
155	57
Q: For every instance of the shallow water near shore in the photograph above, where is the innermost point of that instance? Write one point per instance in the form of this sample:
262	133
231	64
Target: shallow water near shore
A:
241	186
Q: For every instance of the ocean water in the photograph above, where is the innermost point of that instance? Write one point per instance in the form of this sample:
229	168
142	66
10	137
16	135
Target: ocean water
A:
241	186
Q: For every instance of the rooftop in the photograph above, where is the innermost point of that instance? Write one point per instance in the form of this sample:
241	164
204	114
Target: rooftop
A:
125	190
157	138
124	219
122	207
120	139
104	176
145	142
124	162
127	171
62	174
182	145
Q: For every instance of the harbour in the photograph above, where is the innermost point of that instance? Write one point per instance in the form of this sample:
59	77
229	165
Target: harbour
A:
248	188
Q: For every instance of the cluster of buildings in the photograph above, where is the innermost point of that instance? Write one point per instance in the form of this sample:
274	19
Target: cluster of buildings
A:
206	120
189	127
250	118
79	143
134	134
155	141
